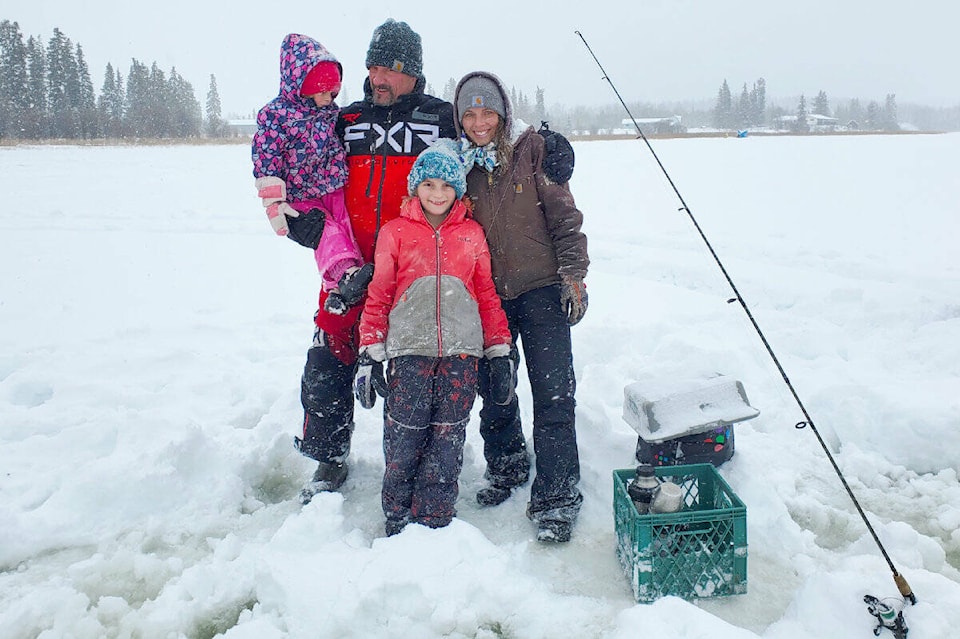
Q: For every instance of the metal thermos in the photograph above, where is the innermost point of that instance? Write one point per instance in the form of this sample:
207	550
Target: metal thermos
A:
643	487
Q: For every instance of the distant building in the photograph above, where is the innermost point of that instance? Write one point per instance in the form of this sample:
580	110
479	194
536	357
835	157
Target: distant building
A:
654	126
240	128
816	123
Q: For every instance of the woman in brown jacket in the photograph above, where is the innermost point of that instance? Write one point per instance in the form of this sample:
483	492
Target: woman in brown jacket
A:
539	259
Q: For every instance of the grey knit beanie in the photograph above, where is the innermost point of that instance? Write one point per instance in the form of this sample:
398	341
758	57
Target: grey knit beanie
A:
396	46
482	92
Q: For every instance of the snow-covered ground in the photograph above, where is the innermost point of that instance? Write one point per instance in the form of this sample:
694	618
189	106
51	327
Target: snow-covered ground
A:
153	332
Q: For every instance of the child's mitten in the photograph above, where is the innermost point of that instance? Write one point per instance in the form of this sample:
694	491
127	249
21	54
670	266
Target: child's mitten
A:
273	192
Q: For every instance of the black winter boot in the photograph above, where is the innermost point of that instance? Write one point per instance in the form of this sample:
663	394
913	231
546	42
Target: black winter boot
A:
394	526
512	472
493	495
552	531
328	477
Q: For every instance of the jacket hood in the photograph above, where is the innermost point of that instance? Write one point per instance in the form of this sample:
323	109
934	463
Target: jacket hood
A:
299	54
508	123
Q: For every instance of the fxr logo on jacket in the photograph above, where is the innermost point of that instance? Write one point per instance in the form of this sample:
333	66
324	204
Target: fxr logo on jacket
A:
401	136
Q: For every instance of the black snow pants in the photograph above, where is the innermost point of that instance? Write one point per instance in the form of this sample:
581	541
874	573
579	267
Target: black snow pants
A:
326	392
537	318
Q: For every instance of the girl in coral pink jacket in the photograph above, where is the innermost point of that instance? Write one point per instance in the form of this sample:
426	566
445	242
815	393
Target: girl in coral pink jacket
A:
431	312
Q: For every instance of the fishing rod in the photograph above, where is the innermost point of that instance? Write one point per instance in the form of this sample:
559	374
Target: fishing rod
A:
899	579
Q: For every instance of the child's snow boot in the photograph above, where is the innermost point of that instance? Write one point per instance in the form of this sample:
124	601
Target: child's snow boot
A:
394	526
328	477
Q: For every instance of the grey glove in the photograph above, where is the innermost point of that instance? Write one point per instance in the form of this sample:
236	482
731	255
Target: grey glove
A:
573	299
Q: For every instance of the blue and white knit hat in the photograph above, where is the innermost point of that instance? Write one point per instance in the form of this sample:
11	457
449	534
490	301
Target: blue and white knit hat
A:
439	161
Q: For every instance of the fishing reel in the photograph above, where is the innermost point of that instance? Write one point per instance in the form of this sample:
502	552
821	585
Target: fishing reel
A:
887	616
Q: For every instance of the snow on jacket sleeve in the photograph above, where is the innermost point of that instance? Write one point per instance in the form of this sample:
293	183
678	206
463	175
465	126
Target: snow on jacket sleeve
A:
563	218
496	330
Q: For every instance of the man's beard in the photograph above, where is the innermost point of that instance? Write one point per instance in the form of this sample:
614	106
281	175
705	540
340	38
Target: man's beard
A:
384	99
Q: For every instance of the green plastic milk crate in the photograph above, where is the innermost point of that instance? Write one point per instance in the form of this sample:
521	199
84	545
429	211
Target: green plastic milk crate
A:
700	551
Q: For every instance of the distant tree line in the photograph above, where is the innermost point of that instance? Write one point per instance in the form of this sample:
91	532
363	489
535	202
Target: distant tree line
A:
747	111
750	111
46	92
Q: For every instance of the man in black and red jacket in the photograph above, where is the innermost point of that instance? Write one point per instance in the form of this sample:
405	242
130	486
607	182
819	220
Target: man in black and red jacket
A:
383	135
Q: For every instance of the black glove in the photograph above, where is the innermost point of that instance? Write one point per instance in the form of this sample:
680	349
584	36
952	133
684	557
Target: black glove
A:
369	381
353	284
335	304
498	378
558	162
306	228
573	299
350	290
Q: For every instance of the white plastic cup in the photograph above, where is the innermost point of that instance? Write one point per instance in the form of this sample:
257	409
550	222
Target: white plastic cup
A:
669	498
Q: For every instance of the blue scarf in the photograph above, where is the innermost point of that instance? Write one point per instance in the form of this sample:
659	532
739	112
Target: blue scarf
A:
483	156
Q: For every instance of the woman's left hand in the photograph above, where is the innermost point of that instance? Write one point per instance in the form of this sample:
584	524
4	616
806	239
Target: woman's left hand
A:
573	299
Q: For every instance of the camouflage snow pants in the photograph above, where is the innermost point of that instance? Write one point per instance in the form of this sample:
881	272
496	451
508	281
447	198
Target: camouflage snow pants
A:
424	429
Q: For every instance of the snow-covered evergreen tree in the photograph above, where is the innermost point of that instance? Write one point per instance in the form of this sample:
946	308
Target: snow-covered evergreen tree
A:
854	115
159	104
801	126
758	102
744	109
821	105
214	125
874	116
449	90
185	110
723	111
539	109
13	80
110	103
136	122
890	119
86	105
62	86
35	117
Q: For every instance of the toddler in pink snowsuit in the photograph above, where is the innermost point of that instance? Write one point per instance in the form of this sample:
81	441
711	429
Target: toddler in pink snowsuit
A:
299	161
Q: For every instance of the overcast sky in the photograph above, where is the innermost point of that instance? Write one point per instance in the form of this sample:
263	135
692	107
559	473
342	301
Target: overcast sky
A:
654	50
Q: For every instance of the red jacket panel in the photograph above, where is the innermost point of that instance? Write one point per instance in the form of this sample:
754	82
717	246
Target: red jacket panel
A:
432	292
